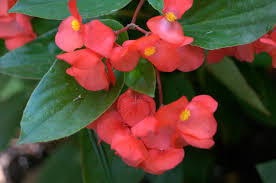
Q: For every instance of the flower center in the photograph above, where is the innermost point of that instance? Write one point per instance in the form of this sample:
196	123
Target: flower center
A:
170	16
150	51
184	115
75	25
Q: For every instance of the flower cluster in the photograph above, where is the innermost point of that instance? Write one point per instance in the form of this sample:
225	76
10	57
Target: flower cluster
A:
153	140
165	47
15	28
266	43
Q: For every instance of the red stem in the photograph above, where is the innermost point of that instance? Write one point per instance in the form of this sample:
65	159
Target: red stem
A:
159	87
110	72
133	21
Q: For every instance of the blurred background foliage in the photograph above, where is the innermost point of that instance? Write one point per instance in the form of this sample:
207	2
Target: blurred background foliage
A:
245	142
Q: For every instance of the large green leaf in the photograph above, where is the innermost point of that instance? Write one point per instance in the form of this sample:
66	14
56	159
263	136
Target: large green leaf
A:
62	166
32	60
57	9
142	79
228	73
223	23
267	171
100	165
60	107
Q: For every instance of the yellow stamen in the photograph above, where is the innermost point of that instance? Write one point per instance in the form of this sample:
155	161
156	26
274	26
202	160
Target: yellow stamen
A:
170	16
76	25
150	51
184	115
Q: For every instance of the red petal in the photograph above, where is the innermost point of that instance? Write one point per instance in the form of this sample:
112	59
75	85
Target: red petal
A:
171	32
81	59
215	56
169	114
110	73
158	162
130	149
207	101
10	29
177	141
245	52
99	38
124	58
201	122
178	7
4	8
68	39
108	125
88	69
24	21
72	5
161	140
199	143
145	127
18	41
191	58
134	107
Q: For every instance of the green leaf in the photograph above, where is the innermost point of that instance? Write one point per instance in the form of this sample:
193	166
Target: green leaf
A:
59	106
223	23
267	171
62	166
98	162
228	73
52	9
10	112
142	79
32	60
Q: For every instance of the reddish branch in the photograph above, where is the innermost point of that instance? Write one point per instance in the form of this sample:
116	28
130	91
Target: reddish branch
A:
133	21
159	87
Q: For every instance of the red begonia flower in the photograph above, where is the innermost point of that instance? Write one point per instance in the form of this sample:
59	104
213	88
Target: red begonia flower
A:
145	127
18	41
129	148
125	58
134	107
99	38
215	56
163	55
166	115
245	52
170	31
108	125
161	140
191	58
70	32
177	7
158	162
87	68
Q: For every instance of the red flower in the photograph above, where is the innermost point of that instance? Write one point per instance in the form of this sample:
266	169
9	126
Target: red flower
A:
125	58
70	32
87	68
194	121
158	162
99	38
134	107
15	28
242	53
167	27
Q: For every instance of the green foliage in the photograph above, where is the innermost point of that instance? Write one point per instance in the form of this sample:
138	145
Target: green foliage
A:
62	166
267	171
32	60
59	106
58	10
228	73
223	23
101	165
142	79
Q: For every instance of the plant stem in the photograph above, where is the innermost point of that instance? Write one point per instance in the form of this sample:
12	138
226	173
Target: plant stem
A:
159	87
133	21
